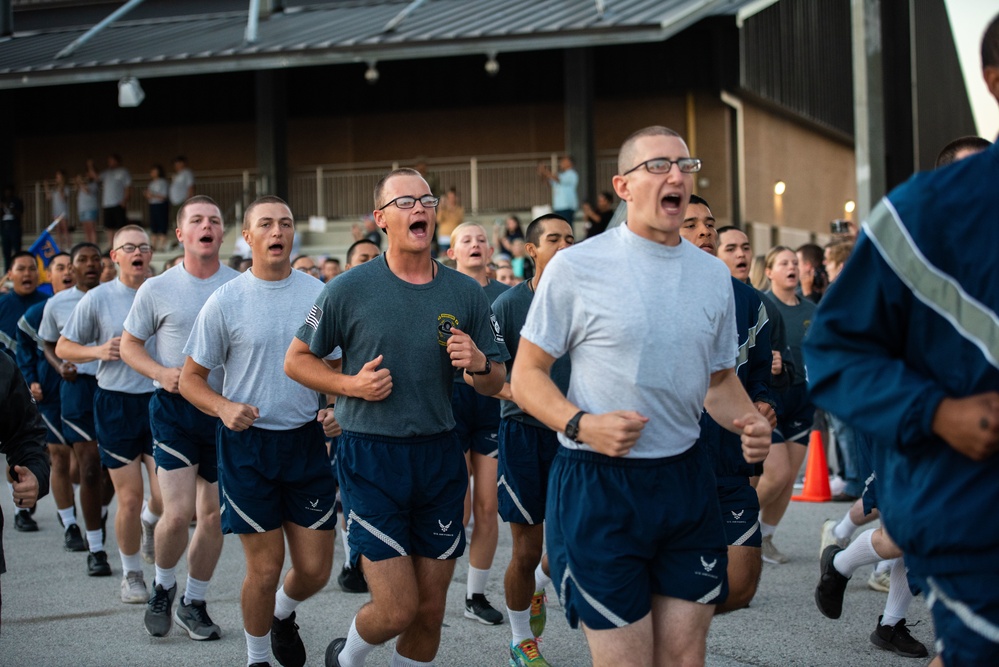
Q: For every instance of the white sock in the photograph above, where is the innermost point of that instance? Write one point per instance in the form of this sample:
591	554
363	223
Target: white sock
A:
477	581
399	661
166	577
258	649
148	516
899	595
884	565
76	489
68	517
845	529
541	580
130	563
860	552
346	547
196	590
284	606
95	540
767	530
356	650
520	625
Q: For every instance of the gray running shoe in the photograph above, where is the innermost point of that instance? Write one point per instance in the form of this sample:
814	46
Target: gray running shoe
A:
157	618
829	537
771	554
133	588
194	618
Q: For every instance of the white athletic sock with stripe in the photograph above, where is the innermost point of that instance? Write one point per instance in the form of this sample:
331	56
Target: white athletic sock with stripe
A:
356	650
541	580
258	649
860	552
196	590
845	529
476	581
399	661
166	577
520	625
68	517
899	595
284	606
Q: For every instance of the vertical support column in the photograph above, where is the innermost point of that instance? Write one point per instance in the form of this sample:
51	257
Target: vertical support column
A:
868	96
272	130
579	119
473	173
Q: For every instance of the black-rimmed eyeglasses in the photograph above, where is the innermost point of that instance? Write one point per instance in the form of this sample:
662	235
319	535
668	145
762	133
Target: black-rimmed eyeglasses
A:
662	165
129	248
427	201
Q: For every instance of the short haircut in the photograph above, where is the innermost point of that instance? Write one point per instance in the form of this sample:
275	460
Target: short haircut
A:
196	199
971	143
235	261
534	229
298	257
127	228
626	156
465	225
990	44
181	158
380	186
266	199
334	260
75	250
23	253
352	250
695	199
729	228
811	253
61	253
839	251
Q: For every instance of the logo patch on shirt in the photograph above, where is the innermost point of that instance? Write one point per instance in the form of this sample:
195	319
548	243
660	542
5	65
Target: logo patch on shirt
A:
315	315
445	322
497	334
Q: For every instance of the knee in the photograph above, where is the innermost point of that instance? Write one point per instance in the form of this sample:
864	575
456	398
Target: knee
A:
401	615
264	574
525	557
129	500
316	571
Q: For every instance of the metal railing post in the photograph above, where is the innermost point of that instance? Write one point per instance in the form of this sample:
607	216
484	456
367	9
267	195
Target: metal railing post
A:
473	177
320	195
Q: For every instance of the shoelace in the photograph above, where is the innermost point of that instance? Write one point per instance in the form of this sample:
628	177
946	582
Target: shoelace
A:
160	602
536	603
530	649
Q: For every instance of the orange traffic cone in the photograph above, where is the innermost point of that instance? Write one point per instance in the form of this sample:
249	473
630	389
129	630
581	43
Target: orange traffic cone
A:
816	473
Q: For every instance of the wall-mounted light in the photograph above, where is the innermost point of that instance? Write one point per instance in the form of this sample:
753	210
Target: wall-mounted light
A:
492	66
850	206
779	188
371	74
130	92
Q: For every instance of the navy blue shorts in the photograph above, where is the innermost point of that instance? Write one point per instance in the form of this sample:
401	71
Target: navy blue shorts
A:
183	436
122	422
965	610
403	496
476	420
740	508
77	400
526	453
622	530
794	420
269	477
51	416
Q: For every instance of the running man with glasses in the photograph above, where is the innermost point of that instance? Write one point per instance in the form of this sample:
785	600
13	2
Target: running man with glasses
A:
636	543
121	402
404	323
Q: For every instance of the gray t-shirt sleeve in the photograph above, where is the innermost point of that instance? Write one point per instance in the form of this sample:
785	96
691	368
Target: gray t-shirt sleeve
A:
47	329
726	344
82	326
557	318
320	331
141	319
209	341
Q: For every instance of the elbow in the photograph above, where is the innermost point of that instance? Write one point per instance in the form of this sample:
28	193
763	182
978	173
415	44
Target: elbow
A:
290	368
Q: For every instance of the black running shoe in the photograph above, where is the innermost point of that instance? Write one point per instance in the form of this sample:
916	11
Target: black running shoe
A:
832	584
261	664
896	638
73	539
24	522
157	618
97	564
333	652
478	608
286	643
351	580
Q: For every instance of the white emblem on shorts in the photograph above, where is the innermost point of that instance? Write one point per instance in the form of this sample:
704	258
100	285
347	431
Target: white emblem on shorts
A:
444	528
314	503
737	515
708	566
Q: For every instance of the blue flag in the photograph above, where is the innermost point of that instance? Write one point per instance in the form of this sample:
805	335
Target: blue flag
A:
44	249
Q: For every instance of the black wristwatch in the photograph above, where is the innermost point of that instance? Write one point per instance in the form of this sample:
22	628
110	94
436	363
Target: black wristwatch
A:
489	367
572	428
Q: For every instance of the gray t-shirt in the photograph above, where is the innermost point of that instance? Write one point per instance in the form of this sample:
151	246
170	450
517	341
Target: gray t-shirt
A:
97	319
86	196
492	289
369	311
114	182
157	189
797	319
179	184
57	312
511	310
246	327
646	338
166	306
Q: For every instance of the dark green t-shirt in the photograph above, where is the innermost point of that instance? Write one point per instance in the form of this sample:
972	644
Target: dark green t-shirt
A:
369	311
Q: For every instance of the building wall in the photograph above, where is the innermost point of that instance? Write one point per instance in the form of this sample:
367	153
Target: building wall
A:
819	173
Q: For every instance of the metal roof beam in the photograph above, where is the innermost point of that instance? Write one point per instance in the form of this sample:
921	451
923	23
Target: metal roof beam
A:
85	37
